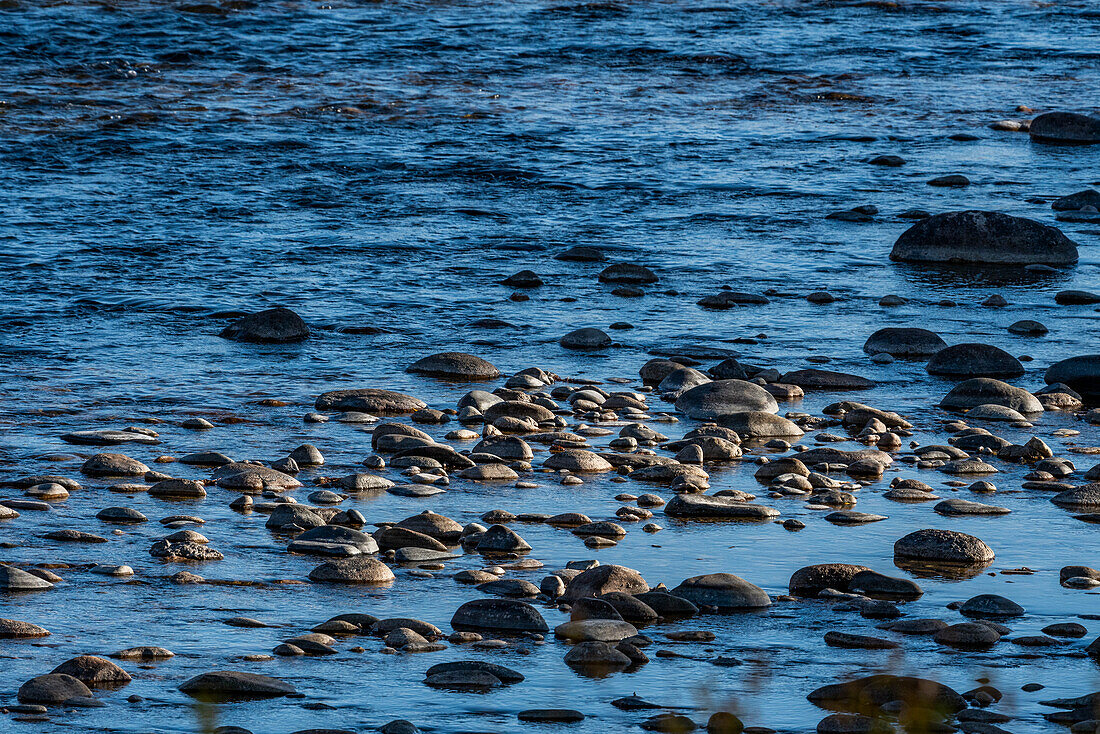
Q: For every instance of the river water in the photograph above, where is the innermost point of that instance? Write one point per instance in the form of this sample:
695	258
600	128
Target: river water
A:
384	165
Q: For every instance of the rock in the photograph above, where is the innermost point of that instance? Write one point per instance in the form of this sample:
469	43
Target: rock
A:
586	338
915	626
74	536
501	673
1082	374
550	716
983	237
627	273
812	379
853	724
499	539
107	438
16	579
701	506
723	590
455	366
943	546
721	398
880	586
1076	298
760	424
94	672
295	515
252	479
369	400
273	326
1065	128
596	655
812	580
52	689
974	360
222	686
1077	201
729	299
983	390
849	641
581	254
954	506
723	722
143	653
968	636
991	606
178	489
604	579
600	630
113	465
186	551
357	570
316	541
577	460
1084	498
991	412
876	691
121	515
498	615
1028	327
954	180
13	629
904	342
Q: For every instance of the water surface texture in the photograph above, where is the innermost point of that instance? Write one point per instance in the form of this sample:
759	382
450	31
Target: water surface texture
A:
379	168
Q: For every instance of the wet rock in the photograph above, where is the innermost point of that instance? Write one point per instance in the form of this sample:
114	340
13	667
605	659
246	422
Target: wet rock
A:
581	254
974	360
853	724
499	539
991	606
293	515
143	653
52	689
724	591
74	536
94	672
121	515
113	465
178	489
600	630
585	338
729	299
627	273
498	615
1084	498
721	398
968	636
850	641
328	539
596	655
604	579
954	506
252	478
501	673
186	551
577	460
881	586
16	579
107	438
1065	128
904	342
983	237
222	686
760	424
876	691
813	379
357	570
369	400
701	506
1082	374
455	366
13	629
273	326
812	580
983	390
943	546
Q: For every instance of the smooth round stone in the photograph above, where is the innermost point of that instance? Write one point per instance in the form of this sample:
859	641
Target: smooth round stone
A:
550	716
852	517
586	338
701	506
463	680
974	360
107	438
991	605
943	546
578	460
986	390
272	326
847	640
983	237
121	515
599	630
498	615
143	653
357	570
230	685
990	412
94	672
14	629
113	465
722	590
720	398
968	635
455	366
369	400
52	689
966	507
16	579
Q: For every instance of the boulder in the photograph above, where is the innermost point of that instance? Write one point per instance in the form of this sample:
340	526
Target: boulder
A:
1065	128
369	400
455	366
357	570
812	379
812	580
987	391
604	579
943	546
720	398
974	360
221	686
586	338
273	326
983	237
725	591
760	424
1082	374
52	689
703	507
94	672
499	616
904	342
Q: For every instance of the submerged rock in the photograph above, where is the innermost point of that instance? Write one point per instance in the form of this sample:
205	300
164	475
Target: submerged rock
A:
273	326
222	686
457	366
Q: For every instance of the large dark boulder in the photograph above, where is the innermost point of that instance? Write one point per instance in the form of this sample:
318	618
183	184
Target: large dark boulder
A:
273	326
983	237
456	366
1066	128
974	360
1080	373
904	342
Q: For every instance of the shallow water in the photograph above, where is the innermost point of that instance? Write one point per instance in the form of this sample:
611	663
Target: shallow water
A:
384	165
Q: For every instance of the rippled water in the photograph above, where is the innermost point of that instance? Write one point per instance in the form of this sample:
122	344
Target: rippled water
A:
169	165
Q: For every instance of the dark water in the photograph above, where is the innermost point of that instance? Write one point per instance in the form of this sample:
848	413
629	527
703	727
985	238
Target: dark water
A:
384	165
